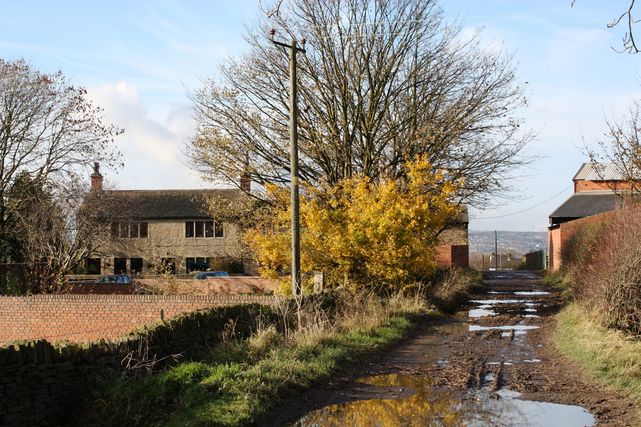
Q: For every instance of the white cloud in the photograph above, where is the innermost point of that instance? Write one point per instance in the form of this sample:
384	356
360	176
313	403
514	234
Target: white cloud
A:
489	40
152	147
568	48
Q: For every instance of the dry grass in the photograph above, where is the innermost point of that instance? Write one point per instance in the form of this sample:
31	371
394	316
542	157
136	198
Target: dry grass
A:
260	343
452	288
237	384
234	285
605	266
361	311
610	356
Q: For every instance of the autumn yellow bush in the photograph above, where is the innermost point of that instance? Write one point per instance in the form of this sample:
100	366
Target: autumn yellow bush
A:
359	231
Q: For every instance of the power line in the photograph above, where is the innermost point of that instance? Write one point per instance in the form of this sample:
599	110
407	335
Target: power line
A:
526	209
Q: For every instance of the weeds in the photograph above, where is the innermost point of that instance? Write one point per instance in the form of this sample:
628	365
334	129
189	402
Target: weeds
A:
610	356
604	263
451	287
240	380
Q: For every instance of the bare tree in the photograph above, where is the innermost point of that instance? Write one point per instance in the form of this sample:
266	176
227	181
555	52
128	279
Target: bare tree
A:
52	231
49	132
626	18
621	147
382	82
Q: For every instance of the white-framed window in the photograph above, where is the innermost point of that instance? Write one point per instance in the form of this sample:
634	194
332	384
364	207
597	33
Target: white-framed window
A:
130	230
204	229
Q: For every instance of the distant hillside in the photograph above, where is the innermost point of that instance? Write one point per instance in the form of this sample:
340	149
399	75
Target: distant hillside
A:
515	242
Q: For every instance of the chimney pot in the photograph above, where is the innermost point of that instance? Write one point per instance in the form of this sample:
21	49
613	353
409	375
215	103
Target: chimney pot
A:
96	178
245	183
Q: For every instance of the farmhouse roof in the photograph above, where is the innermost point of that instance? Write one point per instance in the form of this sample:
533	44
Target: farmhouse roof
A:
587	203
599	172
159	204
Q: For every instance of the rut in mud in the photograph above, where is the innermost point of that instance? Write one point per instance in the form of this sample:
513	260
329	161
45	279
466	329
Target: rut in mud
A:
492	364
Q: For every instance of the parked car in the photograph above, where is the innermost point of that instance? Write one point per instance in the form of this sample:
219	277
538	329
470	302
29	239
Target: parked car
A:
205	274
120	279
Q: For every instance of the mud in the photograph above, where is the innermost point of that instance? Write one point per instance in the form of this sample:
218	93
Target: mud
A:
493	364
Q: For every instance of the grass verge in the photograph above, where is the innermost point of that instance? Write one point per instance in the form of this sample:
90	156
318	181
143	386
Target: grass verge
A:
611	357
240	381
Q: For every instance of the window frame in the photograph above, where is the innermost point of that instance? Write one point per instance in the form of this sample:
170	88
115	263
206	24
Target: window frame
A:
125	229
143	225
222	230
199	229
204	229
189	229
133	226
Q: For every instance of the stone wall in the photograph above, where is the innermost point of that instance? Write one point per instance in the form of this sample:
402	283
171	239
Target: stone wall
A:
166	239
84	318
42	384
454	235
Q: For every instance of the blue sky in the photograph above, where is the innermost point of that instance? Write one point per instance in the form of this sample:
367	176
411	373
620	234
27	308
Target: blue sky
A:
138	61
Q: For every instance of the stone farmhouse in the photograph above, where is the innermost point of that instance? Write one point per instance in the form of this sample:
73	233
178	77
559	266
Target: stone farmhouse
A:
170	231
598	188
163	230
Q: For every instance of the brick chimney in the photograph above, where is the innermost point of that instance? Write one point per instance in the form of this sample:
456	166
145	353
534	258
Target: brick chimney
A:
96	178
245	182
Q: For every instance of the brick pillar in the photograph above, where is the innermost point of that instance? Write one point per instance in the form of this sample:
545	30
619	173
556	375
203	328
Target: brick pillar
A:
245	183
96	178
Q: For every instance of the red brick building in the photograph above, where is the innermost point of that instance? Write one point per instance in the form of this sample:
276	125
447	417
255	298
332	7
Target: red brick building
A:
453	249
598	189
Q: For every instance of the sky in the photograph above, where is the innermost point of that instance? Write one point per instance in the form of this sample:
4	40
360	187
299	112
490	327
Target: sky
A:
139	60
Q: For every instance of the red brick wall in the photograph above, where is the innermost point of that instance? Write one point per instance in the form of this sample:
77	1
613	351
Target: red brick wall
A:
453	255
560	236
83	318
581	185
554	249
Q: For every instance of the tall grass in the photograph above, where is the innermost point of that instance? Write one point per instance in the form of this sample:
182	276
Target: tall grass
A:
239	381
604	262
612	357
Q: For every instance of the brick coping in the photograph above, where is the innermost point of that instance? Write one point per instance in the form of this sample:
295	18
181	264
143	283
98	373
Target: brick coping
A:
128	297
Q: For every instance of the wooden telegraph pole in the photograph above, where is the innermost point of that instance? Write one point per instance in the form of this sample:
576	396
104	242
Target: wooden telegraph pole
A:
293	155
496	251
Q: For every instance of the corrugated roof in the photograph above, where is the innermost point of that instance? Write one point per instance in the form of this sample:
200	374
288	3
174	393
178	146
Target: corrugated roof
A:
159	204
599	172
587	203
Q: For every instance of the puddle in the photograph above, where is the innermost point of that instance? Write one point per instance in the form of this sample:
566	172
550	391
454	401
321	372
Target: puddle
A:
530	310
531	316
481	312
512	411
507	334
424	407
532	360
516	328
531	293
500	301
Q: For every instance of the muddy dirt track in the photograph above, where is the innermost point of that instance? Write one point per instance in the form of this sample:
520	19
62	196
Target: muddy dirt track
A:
490	365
